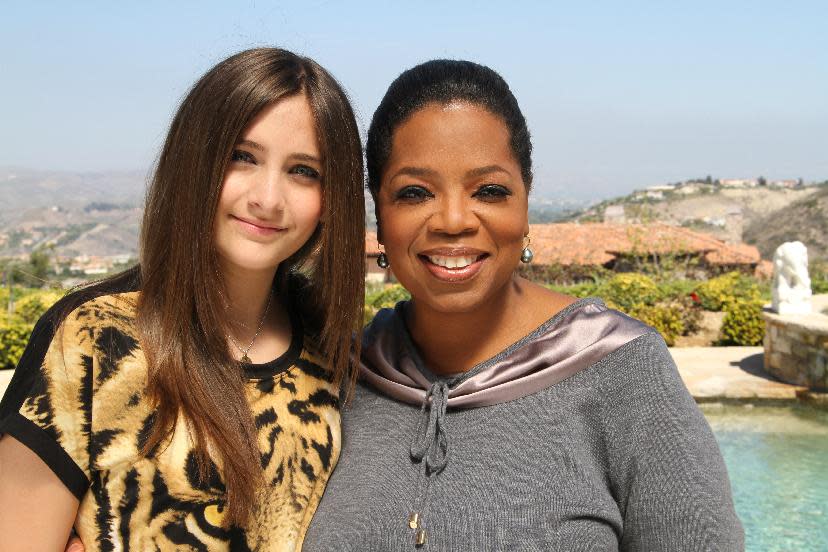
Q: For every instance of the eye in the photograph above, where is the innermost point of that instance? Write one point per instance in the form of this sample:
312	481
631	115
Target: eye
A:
305	171
492	192
412	194
241	156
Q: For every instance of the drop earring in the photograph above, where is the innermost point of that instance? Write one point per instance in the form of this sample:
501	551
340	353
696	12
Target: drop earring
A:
382	260
526	255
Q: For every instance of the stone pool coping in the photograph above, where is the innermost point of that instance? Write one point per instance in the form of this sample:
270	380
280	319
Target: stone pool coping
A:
736	374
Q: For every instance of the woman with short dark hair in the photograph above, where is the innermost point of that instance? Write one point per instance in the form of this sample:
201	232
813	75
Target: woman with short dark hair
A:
492	413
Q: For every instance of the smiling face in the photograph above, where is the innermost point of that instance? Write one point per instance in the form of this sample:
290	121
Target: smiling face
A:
453	207
271	197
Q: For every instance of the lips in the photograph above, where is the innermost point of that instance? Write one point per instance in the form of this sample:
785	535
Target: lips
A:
453	265
257	228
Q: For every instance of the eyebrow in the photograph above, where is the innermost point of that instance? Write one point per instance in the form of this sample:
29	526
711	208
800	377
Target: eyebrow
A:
414	171
488	169
251	144
298	156
305	157
473	173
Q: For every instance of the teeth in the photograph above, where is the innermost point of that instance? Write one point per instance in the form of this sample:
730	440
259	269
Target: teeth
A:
452	262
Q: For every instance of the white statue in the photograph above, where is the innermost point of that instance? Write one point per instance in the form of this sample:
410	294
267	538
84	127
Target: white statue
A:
791	283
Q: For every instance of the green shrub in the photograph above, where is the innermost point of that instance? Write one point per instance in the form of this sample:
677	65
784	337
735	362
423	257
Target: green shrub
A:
715	294
743	324
628	290
688	310
29	305
665	318
676	289
13	339
32	306
581	290
819	277
383	299
562	274
388	297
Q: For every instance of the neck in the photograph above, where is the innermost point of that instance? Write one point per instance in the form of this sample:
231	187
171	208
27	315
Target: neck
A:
248	293
451	343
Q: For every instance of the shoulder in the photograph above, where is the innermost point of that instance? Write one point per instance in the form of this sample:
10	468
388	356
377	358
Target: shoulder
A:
643	357
104	311
640	380
70	329
115	297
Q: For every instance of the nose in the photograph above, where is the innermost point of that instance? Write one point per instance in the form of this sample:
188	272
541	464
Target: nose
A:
267	193
453	215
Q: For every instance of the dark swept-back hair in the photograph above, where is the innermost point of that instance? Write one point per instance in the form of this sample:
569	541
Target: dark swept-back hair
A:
181	312
443	81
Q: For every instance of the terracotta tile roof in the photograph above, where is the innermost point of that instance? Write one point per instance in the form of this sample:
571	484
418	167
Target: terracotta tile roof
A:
592	244
598	243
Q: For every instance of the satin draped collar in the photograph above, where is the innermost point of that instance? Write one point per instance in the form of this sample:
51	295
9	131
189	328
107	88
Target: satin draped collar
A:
573	339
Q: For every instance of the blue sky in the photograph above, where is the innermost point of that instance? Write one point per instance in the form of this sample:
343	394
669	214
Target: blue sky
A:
618	95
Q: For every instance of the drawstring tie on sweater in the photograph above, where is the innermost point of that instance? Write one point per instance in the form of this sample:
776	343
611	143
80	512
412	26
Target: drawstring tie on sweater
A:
430	446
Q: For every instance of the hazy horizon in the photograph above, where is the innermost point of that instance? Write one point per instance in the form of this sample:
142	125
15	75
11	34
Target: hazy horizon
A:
617	97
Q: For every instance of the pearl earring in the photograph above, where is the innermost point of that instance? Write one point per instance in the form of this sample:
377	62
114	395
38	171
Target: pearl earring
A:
382	260
526	255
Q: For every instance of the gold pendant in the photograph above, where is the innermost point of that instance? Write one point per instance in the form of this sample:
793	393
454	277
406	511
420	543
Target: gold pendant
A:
414	520
420	537
246	359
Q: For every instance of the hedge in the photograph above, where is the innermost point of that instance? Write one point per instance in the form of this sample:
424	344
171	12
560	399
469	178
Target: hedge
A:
743	324
715	294
15	330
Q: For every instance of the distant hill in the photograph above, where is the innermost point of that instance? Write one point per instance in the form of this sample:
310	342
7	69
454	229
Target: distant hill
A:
21	189
99	213
805	220
78	213
726	213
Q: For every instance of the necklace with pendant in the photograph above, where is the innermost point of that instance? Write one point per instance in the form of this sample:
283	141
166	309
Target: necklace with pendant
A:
246	359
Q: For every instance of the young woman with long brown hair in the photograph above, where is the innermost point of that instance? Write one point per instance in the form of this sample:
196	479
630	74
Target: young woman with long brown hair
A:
192	402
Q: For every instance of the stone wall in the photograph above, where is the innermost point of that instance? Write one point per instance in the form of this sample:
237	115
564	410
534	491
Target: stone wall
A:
796	349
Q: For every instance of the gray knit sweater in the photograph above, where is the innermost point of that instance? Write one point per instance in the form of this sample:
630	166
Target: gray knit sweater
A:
613	454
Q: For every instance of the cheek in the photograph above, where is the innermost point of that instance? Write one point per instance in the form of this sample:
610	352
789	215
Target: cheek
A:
307	208
395	229
513	233
231	190
223	207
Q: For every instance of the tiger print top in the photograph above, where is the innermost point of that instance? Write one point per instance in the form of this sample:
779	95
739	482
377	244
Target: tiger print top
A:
81	406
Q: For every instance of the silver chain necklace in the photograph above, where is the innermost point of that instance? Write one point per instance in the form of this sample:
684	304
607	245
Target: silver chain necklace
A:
246	359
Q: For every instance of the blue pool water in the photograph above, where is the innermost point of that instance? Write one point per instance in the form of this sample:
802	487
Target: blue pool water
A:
777	458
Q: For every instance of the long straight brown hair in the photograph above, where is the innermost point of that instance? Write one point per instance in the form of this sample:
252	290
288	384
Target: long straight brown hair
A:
182	306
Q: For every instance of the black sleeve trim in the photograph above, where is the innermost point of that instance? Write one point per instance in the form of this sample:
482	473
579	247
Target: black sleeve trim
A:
58	460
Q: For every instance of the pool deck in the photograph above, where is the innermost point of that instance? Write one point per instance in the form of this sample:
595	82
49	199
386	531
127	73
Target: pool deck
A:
710	373
731	374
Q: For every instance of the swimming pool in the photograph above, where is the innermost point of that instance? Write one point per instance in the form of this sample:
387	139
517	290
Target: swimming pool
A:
777	458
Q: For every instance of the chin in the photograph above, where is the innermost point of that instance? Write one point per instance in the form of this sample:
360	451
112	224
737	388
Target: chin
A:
250	262
451	303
